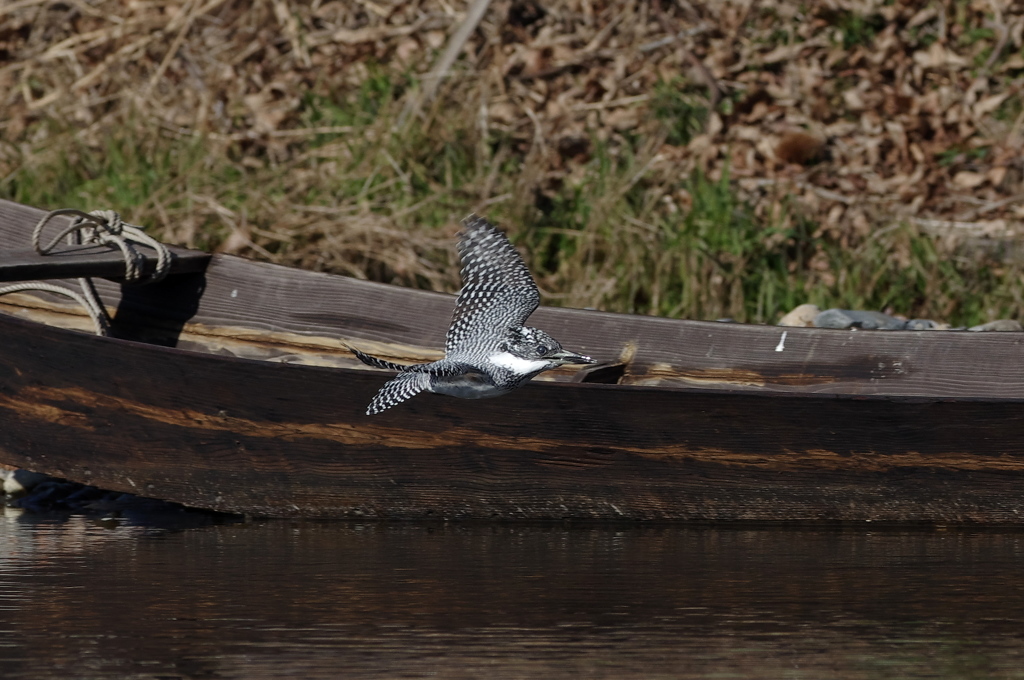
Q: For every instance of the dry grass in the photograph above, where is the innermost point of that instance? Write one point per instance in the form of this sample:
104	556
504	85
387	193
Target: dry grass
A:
692	159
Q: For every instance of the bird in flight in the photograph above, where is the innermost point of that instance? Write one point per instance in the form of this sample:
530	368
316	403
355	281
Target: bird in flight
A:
488	351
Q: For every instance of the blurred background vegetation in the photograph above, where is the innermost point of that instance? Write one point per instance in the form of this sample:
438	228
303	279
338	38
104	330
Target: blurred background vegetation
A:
698	160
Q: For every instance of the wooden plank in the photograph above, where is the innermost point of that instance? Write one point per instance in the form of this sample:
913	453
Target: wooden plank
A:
284	440
660	351
25	264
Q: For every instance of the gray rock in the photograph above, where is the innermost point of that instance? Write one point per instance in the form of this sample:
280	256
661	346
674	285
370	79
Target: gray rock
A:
851	318
927	325
998	325
22	481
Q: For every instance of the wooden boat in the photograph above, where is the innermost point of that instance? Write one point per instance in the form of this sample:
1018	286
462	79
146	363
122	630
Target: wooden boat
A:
227	387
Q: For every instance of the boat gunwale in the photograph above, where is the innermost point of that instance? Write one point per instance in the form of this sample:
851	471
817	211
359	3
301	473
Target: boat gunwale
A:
767	392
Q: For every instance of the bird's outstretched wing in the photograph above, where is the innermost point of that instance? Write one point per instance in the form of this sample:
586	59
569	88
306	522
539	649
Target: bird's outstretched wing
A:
498	292
398	389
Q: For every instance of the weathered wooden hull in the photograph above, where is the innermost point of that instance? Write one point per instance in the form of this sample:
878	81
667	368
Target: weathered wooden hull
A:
713	424
282	440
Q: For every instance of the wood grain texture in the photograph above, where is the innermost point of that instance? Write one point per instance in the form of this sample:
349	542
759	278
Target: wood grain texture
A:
284	440
708	422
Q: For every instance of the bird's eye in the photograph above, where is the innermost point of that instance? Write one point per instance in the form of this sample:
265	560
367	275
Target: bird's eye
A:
542	349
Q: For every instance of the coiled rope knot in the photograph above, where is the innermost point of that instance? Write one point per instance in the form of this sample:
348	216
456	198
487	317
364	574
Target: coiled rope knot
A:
105	227
102	227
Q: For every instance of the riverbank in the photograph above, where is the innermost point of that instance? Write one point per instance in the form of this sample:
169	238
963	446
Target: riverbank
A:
697	160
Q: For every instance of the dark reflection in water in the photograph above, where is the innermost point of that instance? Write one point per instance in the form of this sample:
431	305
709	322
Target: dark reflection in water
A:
341	600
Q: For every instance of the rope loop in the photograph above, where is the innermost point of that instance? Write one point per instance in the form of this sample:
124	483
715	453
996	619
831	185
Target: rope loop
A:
105	227
102	227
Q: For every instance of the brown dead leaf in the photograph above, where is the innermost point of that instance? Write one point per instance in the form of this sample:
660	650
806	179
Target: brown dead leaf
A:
989	104
968	180
938	56
996	175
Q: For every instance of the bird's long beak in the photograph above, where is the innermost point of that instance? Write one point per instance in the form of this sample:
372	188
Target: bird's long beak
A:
566	357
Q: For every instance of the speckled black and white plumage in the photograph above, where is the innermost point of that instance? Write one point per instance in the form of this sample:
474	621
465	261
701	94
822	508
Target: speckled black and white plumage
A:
488	350
498	294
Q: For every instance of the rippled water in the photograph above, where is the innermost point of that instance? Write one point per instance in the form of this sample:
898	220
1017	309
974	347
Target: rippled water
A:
82	599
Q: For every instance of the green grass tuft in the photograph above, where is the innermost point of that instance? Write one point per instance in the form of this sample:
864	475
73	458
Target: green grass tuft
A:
681	110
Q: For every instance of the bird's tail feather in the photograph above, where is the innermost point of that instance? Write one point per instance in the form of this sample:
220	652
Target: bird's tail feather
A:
374	361
399	389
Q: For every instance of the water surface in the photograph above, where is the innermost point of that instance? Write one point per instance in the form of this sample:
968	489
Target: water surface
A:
86	599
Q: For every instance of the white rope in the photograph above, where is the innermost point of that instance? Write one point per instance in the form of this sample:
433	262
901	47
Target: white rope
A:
106	227
103	227
97	314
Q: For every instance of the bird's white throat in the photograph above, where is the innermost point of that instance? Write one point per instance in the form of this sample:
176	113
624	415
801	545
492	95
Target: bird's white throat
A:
516	364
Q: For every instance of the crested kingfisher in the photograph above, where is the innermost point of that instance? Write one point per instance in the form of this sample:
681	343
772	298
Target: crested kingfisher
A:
488	350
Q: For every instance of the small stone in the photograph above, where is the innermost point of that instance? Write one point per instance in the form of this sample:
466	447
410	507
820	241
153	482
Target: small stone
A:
926	325
998	325
851	318
801	316
22	481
